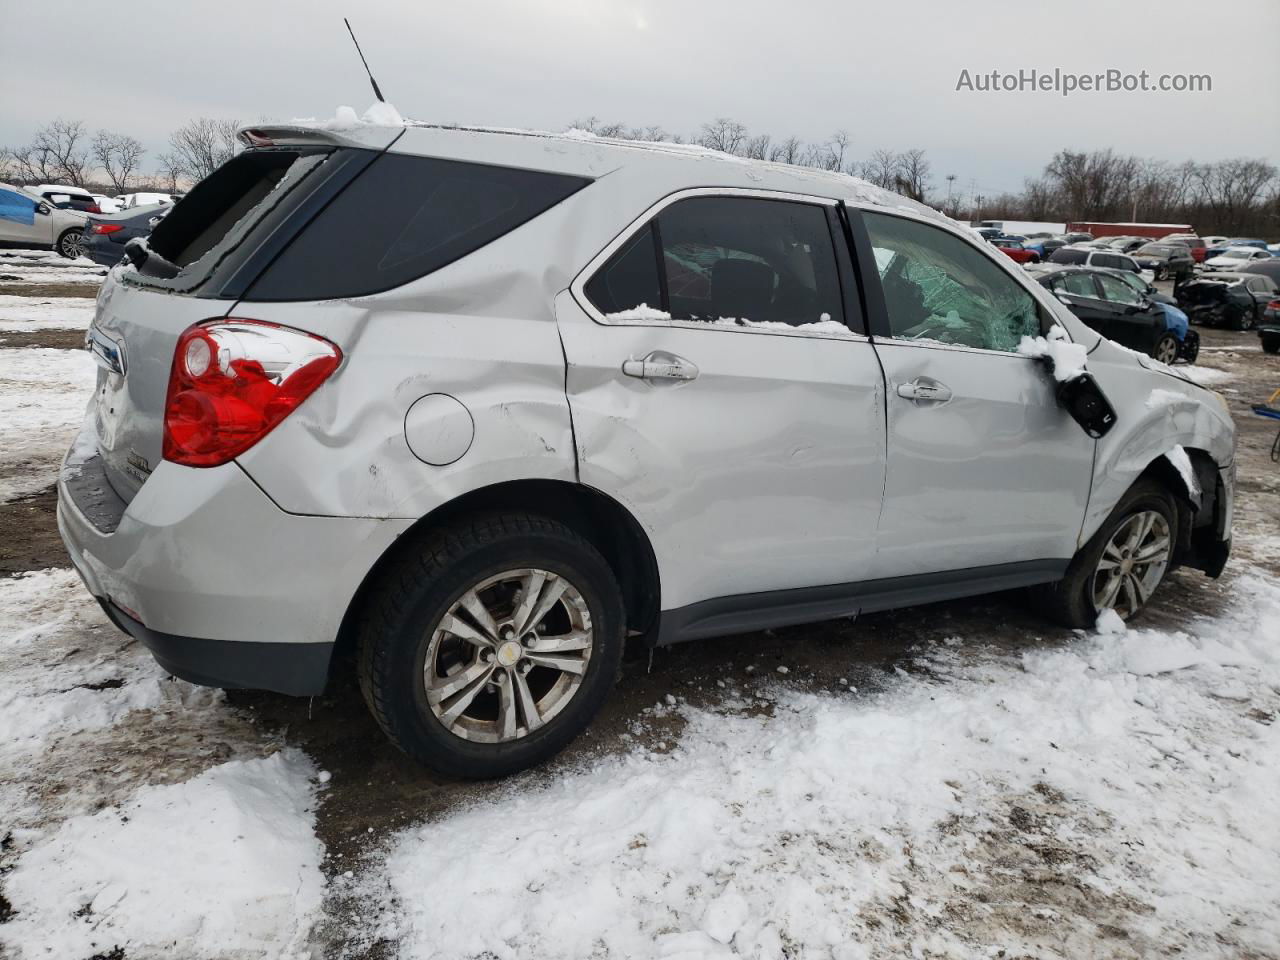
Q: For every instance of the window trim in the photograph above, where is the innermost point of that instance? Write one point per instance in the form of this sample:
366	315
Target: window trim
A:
849	299
878	314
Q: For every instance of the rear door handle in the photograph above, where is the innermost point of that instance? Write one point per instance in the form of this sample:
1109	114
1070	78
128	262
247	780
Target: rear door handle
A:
660	365
924	390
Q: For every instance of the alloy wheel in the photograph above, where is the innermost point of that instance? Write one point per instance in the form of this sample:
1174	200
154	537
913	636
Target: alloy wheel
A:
1167	350
508	656
72	245
1132	563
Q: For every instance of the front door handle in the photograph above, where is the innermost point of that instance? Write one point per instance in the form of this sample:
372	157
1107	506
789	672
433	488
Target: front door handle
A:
924	390
661	365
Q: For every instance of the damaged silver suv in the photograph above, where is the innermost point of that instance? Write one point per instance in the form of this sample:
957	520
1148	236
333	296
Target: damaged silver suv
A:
463	410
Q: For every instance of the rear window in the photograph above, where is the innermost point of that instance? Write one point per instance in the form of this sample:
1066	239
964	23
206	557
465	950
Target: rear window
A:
405	217
1068	255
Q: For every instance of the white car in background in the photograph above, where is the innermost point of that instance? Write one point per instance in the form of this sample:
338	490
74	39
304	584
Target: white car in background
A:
1233	258
128	201
29	220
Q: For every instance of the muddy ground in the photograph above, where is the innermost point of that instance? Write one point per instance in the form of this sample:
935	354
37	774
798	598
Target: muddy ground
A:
374	789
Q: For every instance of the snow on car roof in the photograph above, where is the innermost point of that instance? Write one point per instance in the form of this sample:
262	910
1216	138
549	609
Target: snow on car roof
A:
347	126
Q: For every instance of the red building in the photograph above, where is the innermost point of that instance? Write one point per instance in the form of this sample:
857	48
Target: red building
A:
1154	230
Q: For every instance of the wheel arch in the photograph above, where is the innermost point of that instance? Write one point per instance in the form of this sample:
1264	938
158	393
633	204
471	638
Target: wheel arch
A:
597	517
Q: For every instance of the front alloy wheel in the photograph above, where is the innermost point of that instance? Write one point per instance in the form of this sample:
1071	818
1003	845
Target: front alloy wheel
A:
1132	564
1166	349
508	656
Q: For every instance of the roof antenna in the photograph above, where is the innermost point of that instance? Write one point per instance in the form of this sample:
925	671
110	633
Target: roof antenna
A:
376	92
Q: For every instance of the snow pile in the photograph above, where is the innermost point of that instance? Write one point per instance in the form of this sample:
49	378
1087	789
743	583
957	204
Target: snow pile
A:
1182	463
1122	785
1068	358
43	394
640	312
223	865
22	314
1206	376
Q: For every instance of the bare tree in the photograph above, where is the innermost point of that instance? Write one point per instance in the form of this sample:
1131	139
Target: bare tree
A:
723	134
204	144
786	151
881	169
172	170
118	155
63	142
913	174
1233	189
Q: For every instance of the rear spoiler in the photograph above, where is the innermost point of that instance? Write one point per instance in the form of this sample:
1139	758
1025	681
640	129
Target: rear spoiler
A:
367	136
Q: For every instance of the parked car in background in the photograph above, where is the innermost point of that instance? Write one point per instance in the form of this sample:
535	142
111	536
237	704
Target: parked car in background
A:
1233	258
105	236
1014	250
1189	240
1125	244
1050	244
1269	327
1165	260
1091	257
68	198
1268	268
29	220
1117	310
1233	300
107	204
295	444
1077	237
130	200
989	233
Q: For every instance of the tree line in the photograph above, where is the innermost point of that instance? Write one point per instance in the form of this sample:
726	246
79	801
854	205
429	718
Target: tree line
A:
1239	196
67	151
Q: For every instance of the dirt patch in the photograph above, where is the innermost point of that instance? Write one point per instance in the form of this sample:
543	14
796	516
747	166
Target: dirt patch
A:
29	537
20	289
58	339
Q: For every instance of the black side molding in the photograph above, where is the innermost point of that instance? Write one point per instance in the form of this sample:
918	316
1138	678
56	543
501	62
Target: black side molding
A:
298	669
782	608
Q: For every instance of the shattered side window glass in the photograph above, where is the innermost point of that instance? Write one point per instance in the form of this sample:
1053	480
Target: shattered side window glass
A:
939	288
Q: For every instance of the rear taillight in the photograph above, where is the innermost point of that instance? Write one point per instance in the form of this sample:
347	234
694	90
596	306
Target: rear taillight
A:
232	381
104	228
93	208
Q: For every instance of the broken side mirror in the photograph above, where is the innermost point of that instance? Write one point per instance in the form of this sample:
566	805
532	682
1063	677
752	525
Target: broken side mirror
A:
1082	397
42	209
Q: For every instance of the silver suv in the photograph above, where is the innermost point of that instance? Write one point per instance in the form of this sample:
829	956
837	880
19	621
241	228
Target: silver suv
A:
463	410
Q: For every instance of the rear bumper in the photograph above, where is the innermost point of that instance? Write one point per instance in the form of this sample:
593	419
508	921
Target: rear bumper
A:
300	669
220	584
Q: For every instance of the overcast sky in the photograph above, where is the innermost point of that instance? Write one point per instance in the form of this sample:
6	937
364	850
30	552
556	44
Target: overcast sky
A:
884	72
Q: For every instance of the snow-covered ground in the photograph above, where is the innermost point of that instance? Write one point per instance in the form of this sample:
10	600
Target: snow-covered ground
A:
43	393
43	266
26	314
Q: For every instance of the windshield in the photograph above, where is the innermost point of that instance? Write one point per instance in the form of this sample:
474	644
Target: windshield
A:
1155	250
1236	254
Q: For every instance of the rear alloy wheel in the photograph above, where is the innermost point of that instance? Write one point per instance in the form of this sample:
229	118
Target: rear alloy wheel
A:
1166	349
1133	563
1122	564
492	644
71	244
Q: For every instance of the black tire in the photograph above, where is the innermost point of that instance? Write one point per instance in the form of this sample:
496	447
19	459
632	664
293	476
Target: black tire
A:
1271	343
1157	273
1070	600
68	244
1244	320
417	591
1166	346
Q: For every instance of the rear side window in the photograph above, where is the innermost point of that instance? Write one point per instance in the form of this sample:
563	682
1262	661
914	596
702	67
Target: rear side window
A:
405	217
727	259
1108	260
1117	291
1068	255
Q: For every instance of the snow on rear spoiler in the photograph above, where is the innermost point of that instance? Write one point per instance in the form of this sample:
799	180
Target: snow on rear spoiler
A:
367	136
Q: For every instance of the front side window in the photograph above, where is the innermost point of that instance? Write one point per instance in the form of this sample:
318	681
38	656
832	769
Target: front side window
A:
938	287
1079	285
1069	255
729	260
1117	291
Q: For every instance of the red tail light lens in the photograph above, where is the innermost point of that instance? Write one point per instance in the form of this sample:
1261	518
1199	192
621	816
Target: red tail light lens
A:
93	208
233	381
107	228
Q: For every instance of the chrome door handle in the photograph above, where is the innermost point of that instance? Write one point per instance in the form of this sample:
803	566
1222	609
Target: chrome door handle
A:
924	390
660	365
